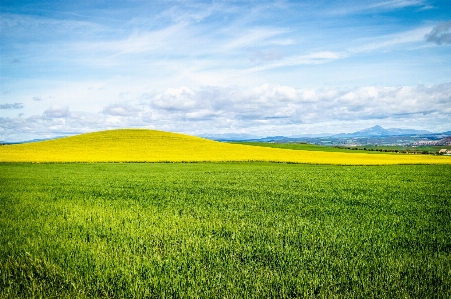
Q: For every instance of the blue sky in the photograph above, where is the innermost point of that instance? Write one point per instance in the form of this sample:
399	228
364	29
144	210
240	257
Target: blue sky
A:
214	67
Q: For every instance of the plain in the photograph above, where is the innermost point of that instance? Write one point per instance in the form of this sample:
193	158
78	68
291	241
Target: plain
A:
230	230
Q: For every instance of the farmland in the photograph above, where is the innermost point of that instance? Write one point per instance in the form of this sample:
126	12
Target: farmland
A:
309	147
370	149
232	230
134	145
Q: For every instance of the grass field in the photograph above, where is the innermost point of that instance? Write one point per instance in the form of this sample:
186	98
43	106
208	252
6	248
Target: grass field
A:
224	230
134	145
370	149
295	146
305	147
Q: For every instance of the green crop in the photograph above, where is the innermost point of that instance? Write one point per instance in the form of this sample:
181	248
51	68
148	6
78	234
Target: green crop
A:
227	230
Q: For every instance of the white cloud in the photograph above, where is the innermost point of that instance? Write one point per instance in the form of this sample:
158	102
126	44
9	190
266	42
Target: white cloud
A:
201	114
283	105
120	110
57	111
263	110
175	99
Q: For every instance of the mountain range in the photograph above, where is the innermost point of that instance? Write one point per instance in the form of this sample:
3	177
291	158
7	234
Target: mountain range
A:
373	132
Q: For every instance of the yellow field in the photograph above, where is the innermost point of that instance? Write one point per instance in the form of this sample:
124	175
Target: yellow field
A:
141	145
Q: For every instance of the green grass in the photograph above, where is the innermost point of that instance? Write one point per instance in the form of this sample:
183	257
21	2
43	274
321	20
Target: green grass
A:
296	146
370	149
227	230
311	147
432	148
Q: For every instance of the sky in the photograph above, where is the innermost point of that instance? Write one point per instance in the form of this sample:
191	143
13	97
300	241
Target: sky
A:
262	68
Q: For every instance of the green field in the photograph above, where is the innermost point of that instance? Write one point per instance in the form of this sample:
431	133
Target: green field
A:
322	148
229	230
296	146
432	148
370	149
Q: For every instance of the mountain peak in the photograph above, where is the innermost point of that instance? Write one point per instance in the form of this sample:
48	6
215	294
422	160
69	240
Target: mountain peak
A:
378	131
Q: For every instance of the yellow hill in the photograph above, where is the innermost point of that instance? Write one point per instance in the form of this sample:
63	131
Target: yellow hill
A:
140	145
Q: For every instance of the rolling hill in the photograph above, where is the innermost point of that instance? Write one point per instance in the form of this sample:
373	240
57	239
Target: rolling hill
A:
142	145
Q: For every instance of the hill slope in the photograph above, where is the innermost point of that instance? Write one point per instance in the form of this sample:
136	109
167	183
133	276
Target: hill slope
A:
141	145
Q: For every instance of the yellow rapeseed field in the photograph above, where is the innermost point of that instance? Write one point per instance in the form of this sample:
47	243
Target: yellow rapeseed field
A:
142	145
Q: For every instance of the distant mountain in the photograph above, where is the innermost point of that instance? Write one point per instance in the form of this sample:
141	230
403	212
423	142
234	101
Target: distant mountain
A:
374	132
33	140
254	138
378	131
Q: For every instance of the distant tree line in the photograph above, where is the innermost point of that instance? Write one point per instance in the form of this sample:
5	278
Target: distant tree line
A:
404	151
